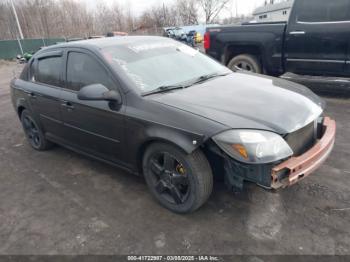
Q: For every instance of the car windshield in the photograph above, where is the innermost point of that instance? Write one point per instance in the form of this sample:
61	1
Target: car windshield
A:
154	64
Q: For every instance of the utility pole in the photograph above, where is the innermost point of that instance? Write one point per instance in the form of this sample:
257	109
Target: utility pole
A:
236	8
17	21
164	16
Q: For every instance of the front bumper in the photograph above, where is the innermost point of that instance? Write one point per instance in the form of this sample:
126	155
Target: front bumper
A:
297	168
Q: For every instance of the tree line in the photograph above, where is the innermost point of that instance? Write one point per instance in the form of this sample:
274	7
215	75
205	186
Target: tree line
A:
71	18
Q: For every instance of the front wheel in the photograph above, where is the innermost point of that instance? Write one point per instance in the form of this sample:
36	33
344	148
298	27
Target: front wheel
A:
180	182
245	62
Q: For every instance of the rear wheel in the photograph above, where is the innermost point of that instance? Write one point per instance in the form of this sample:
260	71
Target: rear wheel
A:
180	182
245	62
33	133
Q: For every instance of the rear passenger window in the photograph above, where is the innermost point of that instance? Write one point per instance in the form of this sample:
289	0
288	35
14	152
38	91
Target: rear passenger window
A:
83	70
48	71
323	11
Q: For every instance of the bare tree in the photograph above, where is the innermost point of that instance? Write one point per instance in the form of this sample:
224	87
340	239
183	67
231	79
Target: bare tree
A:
212	9
129	18
187	11
7	22
152	20
71	18
110	19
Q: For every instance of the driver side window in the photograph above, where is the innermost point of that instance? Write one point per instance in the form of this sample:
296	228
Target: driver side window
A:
83	70
315	11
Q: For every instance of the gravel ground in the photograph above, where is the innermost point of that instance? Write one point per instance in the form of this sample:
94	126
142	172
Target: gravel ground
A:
59	202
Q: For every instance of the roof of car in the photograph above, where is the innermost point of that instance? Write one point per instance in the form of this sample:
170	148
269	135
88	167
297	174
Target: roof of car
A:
108	41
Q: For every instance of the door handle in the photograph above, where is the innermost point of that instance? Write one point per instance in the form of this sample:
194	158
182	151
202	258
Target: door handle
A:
68	105
297	33
31	94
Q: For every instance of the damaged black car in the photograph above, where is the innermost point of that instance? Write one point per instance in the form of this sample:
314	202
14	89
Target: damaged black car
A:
158	108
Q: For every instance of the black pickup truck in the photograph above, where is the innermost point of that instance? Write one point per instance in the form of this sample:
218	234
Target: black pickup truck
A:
313	45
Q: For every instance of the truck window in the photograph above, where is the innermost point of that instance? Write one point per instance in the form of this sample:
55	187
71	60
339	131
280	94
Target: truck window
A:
314	11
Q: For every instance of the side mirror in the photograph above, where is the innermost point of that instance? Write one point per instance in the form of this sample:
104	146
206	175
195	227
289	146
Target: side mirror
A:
98	92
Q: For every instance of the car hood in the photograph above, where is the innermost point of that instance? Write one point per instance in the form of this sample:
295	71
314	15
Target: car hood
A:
242	100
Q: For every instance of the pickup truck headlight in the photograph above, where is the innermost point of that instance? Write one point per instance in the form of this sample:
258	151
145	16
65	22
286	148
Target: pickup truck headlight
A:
253	146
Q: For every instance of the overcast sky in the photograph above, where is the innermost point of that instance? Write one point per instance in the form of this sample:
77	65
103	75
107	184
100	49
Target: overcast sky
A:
137	6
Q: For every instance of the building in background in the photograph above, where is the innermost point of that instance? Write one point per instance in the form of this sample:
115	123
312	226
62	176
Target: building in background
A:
273	12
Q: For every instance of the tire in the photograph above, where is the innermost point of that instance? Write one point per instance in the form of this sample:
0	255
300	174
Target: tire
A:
245	62
193	170
34	134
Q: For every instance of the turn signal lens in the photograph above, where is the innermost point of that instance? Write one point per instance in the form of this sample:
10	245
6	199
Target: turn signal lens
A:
241	150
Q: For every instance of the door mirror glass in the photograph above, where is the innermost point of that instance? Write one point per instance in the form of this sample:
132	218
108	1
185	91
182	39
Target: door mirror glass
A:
98	92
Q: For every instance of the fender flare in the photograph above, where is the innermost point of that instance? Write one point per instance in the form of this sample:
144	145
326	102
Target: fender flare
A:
21	103
186	140
246	49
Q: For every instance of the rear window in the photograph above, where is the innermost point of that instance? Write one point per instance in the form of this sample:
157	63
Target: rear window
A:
323	11
48	71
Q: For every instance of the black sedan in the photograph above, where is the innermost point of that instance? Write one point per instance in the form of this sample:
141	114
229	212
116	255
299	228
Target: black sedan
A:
156	107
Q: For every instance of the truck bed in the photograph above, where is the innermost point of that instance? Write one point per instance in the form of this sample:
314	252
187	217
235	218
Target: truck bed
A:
265	38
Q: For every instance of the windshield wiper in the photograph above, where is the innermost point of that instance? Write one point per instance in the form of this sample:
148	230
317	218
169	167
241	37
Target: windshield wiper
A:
204	78
163	89
198	80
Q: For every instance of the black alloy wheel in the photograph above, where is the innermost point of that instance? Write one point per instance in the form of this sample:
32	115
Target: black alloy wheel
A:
33	132
180	182
169	178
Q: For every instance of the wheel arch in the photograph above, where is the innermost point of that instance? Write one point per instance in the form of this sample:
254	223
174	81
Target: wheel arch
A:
185	142
21	106
233	50
20	109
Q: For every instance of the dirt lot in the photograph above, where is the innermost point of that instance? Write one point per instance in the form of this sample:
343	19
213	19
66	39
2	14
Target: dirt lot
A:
59	202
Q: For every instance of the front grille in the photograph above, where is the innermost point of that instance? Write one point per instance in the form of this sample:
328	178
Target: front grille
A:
303	139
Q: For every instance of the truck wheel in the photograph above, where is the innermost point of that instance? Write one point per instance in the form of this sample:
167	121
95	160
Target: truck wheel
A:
180	182
245	62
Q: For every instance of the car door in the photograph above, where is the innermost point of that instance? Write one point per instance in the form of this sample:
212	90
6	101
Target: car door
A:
45	82
95	127
317	37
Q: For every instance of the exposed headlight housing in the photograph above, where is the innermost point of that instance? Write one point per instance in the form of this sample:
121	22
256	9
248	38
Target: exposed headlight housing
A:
253	146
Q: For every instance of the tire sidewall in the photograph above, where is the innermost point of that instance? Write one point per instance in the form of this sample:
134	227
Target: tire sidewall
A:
251	60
